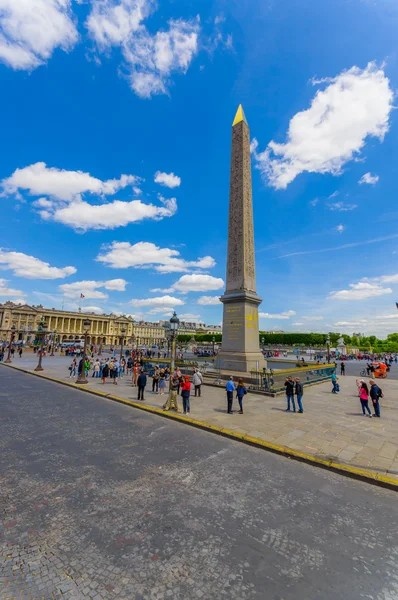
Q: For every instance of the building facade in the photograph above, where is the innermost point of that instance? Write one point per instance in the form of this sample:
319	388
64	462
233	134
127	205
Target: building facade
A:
67	326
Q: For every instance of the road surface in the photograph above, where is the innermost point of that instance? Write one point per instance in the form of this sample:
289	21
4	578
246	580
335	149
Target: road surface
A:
103	501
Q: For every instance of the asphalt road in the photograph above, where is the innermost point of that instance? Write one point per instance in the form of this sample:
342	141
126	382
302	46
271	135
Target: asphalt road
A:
99	500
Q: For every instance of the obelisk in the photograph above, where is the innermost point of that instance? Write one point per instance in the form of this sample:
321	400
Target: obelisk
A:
240	349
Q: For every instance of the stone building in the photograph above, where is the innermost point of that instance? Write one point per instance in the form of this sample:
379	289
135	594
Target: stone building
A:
67	326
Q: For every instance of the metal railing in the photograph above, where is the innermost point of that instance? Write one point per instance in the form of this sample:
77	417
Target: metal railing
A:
274	381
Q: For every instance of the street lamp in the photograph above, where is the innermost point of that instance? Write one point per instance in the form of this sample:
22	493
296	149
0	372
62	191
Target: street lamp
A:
328	347
214	341
123	332
8	359
174	323
41	330
82	375
262	342
52	343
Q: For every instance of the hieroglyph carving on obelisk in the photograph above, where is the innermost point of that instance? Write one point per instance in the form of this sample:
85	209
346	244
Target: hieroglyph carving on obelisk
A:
240	344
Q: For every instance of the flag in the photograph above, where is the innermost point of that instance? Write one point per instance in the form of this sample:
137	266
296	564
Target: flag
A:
396	304
81	296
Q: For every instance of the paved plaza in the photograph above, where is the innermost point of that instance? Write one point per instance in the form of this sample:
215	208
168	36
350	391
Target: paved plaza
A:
332	426
103	502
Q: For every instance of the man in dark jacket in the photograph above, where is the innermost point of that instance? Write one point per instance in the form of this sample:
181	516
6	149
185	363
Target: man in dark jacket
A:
375	394
289	385
299	393
141	383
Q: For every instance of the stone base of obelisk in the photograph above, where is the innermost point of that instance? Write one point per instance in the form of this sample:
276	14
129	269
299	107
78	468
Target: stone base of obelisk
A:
242	362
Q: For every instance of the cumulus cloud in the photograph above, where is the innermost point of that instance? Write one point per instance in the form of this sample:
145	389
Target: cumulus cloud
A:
198	283
283	316
340	228
167	179
94	309
360	291
121	255
29	267
312	318
342	207
163	301
355	105
91	289
38	180
150	58
190	318
209	300
6	291
30	30
369	179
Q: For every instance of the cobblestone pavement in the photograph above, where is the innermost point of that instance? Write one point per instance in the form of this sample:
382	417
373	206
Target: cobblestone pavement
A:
101	501
332	426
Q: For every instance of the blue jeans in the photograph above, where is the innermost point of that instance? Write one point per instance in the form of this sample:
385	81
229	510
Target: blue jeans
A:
290	398
365	404
300	405
376	407
334	390
186	403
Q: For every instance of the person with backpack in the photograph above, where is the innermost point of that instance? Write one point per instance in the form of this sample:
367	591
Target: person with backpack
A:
240	392
364	398
197	381
375	393
299	389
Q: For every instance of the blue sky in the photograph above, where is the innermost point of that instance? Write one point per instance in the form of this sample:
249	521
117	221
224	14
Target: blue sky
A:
115	122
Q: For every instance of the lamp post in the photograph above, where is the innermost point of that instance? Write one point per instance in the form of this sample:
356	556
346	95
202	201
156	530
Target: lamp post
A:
328	348
123	332
8	359
214	341
82	375
262	343
41	330
174	323
52	343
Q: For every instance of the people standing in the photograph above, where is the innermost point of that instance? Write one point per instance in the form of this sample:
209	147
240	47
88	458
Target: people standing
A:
289	385
230	387
155	380
299	389
96	369
335	389
185	394
141	383
240	392
20	352
173	395
197	382
105	372
162	382
364	398
342	368
375	394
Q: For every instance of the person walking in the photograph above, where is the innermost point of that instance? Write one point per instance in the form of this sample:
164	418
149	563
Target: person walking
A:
197	382
141	383
185	394
364	398
162	382
240	392
299	390
289	385
20	352
172	403
335	389
96	368
230	387
375	394
342	368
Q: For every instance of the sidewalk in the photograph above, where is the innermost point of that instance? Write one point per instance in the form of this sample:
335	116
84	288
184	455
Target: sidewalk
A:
331	428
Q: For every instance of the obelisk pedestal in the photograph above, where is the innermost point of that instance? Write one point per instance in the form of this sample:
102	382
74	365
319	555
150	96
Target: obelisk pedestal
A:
240	349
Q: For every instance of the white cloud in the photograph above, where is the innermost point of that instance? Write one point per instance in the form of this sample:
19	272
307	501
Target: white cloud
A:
38	179
121	255
94	309
342	207
336	193
161	309
30	267
284	315
360	291
190	318
355	105
83	216
6	291
298	324
151	59
369	179
314	202
164	301
388	278
30	30
167	179
311	318
90	289
209	300
198	283
340	228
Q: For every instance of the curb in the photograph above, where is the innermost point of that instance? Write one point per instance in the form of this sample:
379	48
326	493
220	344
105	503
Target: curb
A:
346	470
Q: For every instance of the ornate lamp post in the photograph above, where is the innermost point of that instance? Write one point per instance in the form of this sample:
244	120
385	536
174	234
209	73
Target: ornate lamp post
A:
174	323
123	332
52	343
8	359
82	376
328	348
41	330
262	342
214	341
